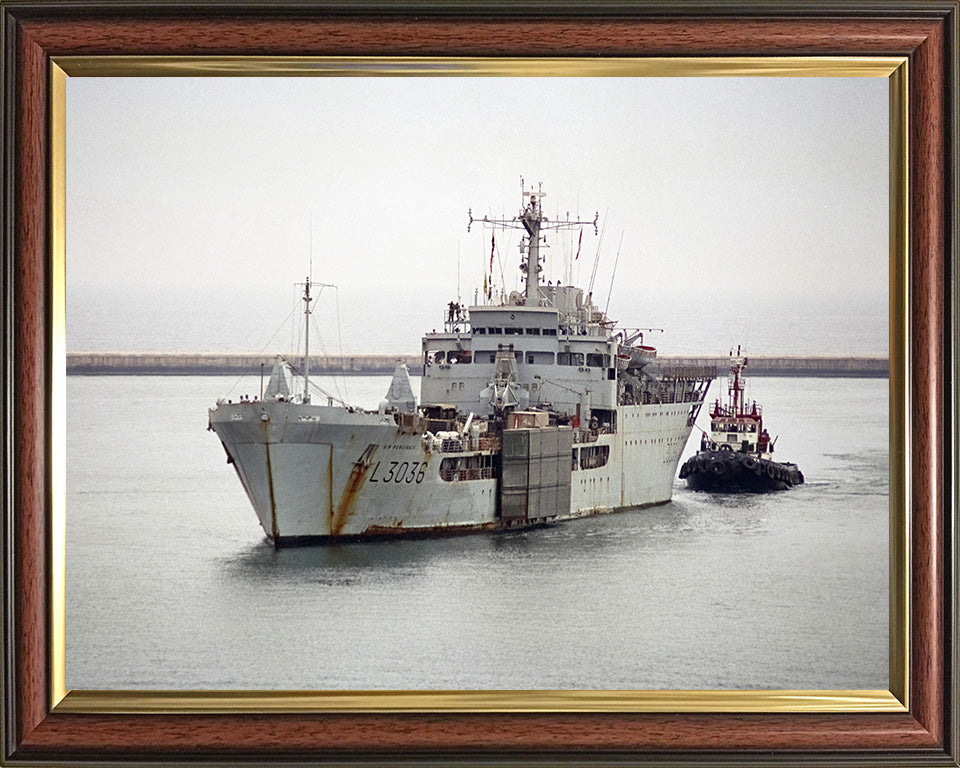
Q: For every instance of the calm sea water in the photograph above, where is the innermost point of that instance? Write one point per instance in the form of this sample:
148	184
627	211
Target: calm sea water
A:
171	584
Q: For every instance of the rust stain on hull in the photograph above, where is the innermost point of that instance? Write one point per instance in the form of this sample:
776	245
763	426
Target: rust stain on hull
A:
348	500
273	498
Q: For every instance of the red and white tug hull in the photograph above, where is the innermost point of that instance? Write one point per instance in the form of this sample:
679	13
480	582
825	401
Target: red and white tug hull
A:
737	455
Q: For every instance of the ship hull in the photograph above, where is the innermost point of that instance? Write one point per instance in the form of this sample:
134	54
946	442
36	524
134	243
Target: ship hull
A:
316	473
728	472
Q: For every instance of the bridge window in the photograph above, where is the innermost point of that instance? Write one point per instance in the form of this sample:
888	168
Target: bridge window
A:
569	358
540	358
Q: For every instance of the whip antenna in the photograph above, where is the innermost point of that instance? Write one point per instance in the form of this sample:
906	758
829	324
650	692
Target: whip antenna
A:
596	259
615	262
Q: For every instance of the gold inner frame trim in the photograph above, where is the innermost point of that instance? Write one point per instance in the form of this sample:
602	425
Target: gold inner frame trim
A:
142	702
900	433
58	382
132	702
430	66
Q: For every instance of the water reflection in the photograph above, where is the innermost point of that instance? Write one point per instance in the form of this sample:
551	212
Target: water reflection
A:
328	563
674	524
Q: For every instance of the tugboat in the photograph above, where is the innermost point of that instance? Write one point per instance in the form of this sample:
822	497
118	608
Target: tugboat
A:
737	455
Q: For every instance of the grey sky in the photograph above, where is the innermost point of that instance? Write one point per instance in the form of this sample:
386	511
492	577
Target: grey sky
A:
737	199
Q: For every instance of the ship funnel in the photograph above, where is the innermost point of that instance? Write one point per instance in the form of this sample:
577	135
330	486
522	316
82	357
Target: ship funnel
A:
400	394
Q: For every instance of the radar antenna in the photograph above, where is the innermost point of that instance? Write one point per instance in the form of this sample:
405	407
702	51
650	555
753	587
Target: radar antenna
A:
531	219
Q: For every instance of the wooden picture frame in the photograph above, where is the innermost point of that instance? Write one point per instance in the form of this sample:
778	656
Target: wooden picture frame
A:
38	730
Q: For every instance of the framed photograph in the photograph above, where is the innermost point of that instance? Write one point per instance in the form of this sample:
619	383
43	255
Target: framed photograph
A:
100	102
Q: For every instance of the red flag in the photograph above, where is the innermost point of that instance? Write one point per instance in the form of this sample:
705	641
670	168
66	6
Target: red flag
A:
493	244
578	245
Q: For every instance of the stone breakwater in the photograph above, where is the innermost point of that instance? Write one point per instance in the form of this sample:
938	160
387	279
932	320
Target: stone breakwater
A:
83	363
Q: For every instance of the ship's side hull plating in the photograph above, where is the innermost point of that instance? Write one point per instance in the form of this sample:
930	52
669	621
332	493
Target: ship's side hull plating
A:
314	473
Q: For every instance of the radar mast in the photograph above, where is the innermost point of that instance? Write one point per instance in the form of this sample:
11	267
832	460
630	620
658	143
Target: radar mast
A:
532	220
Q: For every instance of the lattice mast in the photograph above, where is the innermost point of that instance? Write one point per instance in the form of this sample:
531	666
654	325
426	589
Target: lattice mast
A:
735	387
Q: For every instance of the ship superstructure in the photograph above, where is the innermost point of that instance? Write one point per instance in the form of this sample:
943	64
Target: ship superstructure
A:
534	408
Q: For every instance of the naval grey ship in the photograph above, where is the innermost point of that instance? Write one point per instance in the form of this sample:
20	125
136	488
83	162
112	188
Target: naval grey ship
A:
534	408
